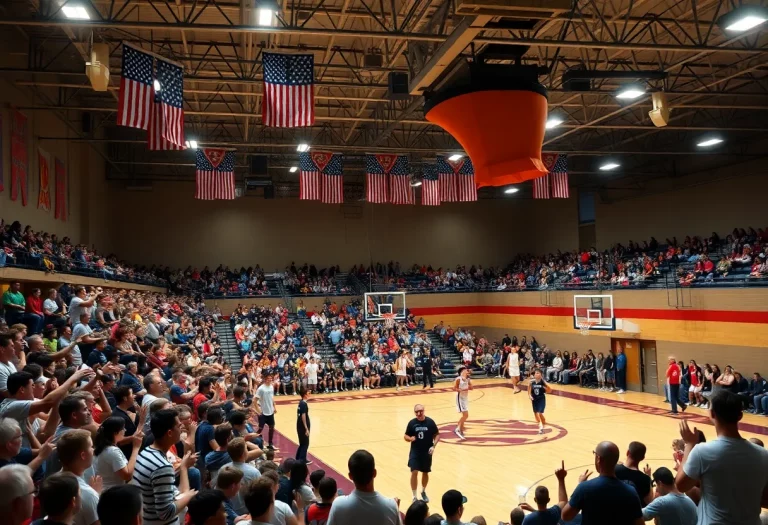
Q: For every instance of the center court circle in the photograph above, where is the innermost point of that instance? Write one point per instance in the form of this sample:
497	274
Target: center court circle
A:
501	433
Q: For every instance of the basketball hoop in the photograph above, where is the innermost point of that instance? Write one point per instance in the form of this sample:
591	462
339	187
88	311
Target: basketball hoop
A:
585	325
389	320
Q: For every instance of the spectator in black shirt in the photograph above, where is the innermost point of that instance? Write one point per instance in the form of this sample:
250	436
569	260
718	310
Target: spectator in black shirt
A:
630	473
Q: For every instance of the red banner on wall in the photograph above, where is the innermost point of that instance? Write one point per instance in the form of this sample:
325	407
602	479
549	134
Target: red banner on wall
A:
44	169
19	157
60	209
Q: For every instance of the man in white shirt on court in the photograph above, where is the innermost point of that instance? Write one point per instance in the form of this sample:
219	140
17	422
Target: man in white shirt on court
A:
266	396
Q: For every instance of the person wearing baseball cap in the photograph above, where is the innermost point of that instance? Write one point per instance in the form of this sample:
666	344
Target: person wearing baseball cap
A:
453	506
670	506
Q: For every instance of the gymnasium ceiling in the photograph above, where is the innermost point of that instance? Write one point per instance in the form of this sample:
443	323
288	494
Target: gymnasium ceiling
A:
716	82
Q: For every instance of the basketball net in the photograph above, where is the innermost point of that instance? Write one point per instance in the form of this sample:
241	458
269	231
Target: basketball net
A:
585	325
389	320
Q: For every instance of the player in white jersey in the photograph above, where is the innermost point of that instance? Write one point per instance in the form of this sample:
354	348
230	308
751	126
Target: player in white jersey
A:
265	394
513	366
462	385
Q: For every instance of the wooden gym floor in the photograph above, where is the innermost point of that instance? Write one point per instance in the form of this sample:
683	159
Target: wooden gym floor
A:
504	456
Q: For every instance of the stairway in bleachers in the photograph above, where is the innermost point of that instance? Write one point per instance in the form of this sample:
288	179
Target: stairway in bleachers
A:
452	355
229	346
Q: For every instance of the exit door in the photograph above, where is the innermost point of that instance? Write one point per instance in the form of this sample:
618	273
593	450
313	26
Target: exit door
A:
649	367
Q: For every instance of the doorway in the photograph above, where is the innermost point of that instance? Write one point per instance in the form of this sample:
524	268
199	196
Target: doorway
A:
642	373
649	367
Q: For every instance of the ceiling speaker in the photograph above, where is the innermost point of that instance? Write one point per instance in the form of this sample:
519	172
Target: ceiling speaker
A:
660	112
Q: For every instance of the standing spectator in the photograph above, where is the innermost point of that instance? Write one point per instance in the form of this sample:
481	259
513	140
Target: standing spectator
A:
207	508
733	472
111	464
16	494
7	354
120	505
630	473
621	371
238	452
551	515
264	509
364	504
82	302
670	506
75	450
605	500
161	501
303	426
673	380
14	304
453	505
61	499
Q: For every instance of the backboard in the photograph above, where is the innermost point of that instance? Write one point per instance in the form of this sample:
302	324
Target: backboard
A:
378	304
594	310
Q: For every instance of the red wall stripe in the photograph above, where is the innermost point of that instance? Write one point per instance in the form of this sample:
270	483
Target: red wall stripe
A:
723	316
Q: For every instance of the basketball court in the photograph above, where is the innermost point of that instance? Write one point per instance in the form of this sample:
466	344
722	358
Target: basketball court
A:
503	456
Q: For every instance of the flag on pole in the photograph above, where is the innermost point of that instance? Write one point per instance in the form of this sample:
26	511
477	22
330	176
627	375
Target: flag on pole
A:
44	172
457	180
215	174
309	178
541	187
400	189
430	186
166	120
60	204
333	180
289	94
377	169
557	165
135	89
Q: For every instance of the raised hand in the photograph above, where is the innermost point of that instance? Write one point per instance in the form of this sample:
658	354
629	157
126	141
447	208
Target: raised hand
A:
96	483
47	448
585	476
561	472
691	437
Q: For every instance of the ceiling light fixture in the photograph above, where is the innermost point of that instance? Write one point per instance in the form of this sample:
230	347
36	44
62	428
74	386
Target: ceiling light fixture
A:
293	169
709	142
156	85
455	157
630	93
510	191
75	12
743	18
416	183
553	122
266	12
609	166
302	148
191	144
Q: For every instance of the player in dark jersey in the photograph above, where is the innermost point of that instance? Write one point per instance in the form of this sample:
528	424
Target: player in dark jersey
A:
423	435
537	390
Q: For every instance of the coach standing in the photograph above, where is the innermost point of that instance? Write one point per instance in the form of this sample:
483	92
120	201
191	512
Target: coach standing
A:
673	380
423	435
426	367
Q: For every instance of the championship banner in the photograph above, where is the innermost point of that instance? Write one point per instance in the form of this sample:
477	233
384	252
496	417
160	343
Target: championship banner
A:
44	166
19	157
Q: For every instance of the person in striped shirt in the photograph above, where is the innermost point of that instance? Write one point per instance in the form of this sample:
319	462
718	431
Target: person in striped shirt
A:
154	474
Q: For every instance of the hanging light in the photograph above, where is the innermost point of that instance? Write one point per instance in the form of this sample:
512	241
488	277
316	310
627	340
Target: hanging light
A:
293	169
302	148
553	122
710	142
455	157
75	12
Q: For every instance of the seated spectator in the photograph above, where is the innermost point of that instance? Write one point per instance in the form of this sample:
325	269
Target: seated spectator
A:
453	505
207	507
318	512
218	457
61	499
228	481
605	499
543	515
16	494
260	500
732	472
75	450
630	472
364	504
120	505
669	506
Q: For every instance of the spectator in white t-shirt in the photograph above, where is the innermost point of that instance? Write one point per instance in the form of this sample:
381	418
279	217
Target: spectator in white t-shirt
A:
53	314
110	463
364	505
732	471
75	450
81	302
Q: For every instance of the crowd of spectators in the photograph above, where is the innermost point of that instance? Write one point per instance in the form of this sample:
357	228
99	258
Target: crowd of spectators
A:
308	280
219	282
22	246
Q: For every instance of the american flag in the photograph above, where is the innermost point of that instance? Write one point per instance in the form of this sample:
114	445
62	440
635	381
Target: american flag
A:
541	187
557	164
166	123
457	180
400	189
430	186
289	94
215	175
135	89
321	176
377	168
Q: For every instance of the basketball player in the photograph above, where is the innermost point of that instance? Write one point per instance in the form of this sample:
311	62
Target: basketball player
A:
462	386
537	388
402	370
423	435
266	395
513	365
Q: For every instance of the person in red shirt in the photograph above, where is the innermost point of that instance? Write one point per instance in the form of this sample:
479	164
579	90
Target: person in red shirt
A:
673	380
696	377
317	513
35	314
